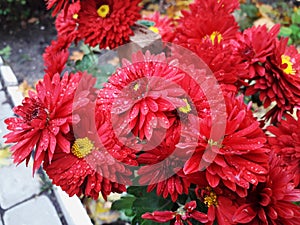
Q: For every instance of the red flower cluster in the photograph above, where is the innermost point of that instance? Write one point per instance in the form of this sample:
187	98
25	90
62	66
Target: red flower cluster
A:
286	143
55	57
66	23
107	23
86	168
182	215
44	119
103	23
270	202
175	122
273	69
96	22
240	158
57	5
216	24
162	25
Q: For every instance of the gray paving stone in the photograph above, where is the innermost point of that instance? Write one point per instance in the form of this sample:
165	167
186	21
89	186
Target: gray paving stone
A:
72	208
2	97
15	94
3	131
33	212
8	76
17	184
6	110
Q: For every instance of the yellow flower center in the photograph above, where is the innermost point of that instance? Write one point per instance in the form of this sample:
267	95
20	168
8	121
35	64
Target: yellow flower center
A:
136	87
288	65
75	16
82	147
154	29
186	108
213	36
211	198
103	11
211	143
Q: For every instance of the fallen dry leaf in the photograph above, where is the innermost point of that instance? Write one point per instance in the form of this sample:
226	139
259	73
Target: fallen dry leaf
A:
33	20
99	211
76	55
115	61
5	157
264	21
265	10
24	88
174	7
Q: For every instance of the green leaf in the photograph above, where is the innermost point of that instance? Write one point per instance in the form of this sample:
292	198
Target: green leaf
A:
89	63
295	28
5	52
85	64
285	31
124	203
102	74
146	23
147	202
250	9
296	17
129	212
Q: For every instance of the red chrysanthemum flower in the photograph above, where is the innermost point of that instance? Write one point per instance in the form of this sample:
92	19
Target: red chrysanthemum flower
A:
107	23
238	160
94	162
44	118
271	202
66	23
214	26
279	81
179	217
141	94
221	203
58	5
227	67
161	167
56	56
76	177
163	25
286	143
254	45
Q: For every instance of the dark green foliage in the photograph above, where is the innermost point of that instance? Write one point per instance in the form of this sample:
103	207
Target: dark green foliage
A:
89	63
138	201
16	10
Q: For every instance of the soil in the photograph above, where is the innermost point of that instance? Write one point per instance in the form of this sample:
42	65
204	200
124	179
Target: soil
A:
27	40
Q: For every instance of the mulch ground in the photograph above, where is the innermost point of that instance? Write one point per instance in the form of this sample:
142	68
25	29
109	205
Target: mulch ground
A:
27	40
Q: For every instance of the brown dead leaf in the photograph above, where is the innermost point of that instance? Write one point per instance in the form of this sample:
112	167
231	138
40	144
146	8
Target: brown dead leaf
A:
33	20
153	7
146	13
264	21
174	7
24	88
76	55
266	11
115	61
5	157
100	211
